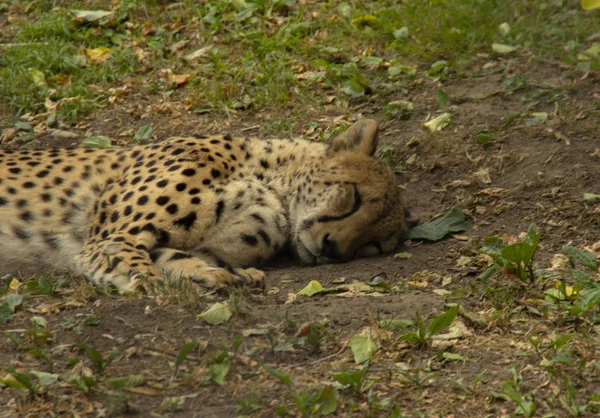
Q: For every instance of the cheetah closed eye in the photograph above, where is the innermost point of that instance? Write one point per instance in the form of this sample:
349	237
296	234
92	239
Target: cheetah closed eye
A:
206	208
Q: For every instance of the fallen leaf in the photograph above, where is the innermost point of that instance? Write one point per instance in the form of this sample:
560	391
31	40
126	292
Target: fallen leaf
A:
216	314
503	49
198	53
99	55
483	176
312	288
363	348
453	221
591	52
180	79
438	123
90	15
38	77
98	141
403	255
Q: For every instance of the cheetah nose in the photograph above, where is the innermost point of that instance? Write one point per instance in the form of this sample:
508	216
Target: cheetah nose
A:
329	247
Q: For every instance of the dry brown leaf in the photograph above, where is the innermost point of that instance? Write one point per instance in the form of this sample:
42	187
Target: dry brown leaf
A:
62	79
492	191
148	29
198	53
179	80
558	262
304	330
145	391
483	176
8	134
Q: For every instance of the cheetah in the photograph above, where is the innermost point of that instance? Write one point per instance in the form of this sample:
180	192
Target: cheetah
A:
210	209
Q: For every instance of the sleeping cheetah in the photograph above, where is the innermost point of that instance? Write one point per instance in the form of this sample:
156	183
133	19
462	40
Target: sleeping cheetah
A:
204	208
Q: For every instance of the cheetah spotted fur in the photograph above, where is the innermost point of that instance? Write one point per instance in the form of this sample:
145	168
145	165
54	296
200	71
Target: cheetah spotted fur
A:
208	208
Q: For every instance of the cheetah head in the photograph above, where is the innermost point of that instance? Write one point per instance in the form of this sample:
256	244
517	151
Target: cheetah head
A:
351	206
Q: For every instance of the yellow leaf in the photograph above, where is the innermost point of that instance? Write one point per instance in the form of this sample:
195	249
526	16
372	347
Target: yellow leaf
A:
14	284
365	20
590	4
38	77
179	80
99	55
62	79
592	52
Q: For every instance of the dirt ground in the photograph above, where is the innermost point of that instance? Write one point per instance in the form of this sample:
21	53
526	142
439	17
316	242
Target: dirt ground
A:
527	174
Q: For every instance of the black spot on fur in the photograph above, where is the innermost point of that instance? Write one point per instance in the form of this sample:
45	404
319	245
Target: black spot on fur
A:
219	210
265	237
172	209
180	256
187	221
21	234
251	240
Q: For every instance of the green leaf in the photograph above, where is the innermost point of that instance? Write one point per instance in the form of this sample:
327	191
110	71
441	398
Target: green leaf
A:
38	77
126	382
401	34
12	301
442	321
396	412
489	273
217	314
363	348
503	49
284	377
185	350
484	137
326	402
442	100
99	141
453	221
314	288
38	321
411	337
94	356
90	15
143	133
591	197
537	119
372	61
396	323
45	379
453	357
579	256
219	371
404	255
590	4
585	279
438	123
23	126
438	70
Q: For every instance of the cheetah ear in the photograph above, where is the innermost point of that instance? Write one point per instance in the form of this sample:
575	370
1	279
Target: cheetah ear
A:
360	137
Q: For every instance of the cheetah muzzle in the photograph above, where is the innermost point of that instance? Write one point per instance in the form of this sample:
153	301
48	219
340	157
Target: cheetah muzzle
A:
208	208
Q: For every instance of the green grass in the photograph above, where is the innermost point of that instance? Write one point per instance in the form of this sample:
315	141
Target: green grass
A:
266	54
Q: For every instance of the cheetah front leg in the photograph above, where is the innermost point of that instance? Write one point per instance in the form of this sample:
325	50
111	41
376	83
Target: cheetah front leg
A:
118	261
203	269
